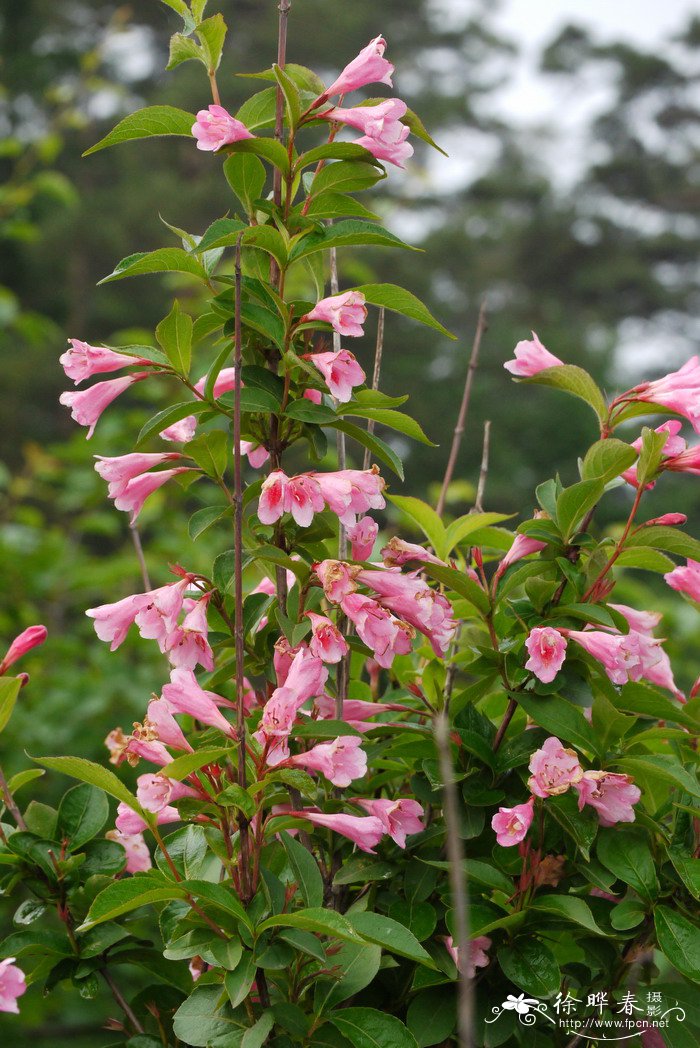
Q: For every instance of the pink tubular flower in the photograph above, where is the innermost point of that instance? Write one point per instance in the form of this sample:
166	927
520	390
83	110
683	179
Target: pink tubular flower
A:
669	520
522	546
530	358
641	621
376	627
180	432
155	792
365	831
327	642
133	495
345	313
161	724
30	638
340	371
87	406
341	761
355	711
384	135
673	447
686	579
307	676
118	471
478	957
138	857
257	455
112	621
362	537
410	599
397	552
215	127
400	818
272	497
337	579
224	382
12	985
396	153
303	498
678	391
83	361
612	796
620	655
283	656
130	822
351	491
511	824
184	695
188	645
314	395
547	650
553	769
157	611
369	67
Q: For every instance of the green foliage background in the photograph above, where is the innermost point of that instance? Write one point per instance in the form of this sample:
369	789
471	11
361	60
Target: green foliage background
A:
575	262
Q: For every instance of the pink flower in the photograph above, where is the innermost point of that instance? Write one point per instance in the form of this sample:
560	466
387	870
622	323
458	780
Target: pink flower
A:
12	985
397	552
674	446
553	769
180	432
384	135
678	391
410	599
83	361
547	650
162	725
397	152
641	621
341	761
327	642
155	792
224	382
304	679
369	67
272	497
686	579
611	795
522	546
355	711
620	655
216	127
531	357
133	495
365	831
87	406
157	611
283	655
257	454
351	491
400	818
314	395
138	857
477	953
345	313
337	579
303	498
118	471
112	621
307	676
184	695
362	537
130	822
669	520
340	371
376	627
511	824
187	645
30	638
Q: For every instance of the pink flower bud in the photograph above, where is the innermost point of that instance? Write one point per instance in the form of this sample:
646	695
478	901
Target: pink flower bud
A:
531	357
401	818
180	432
369	67
362	537
83	361
670	520
345	313
215	127
314	395
341	761
30	638
397	552
365	831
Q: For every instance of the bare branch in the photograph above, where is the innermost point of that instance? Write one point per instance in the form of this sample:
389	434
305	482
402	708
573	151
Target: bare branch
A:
136	539
378	351
484	471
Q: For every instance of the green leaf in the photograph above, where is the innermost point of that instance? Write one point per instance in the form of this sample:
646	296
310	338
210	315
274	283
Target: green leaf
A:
629	857
581	826
10	688
398	300
376	445
670	540
95	774
239	981
345	176
202	519
174	334
392	936
607	459
146	123
573	380
258	1033
650	456
317	920
414	122
338	205
259	110
246	176
123	896
266	148
650	702
22	778
559	717
305	411
568	908
212	33
358	966
679	940
201	1020
290	92
392	419
184	49
664	767
423	515
342	234
368	1028
211	451
575	502
222	896
168	416
335	151
461	528
163	260
305	870
688	869
461	584
432	1015
81	815
223	232
530	965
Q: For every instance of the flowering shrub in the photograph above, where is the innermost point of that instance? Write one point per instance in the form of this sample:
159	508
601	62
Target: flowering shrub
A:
407	783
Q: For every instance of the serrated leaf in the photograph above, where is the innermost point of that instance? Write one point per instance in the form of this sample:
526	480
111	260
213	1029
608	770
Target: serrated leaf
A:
346	233
147	123
82	813
607	459
368	1028
461	584
126	895
575	502
174	334
423	515
317	920
163	260
679	940
95	775
246	176
9	690
560	718
574	380
212	34
376	445
392	936
396	420
398	300
305	869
